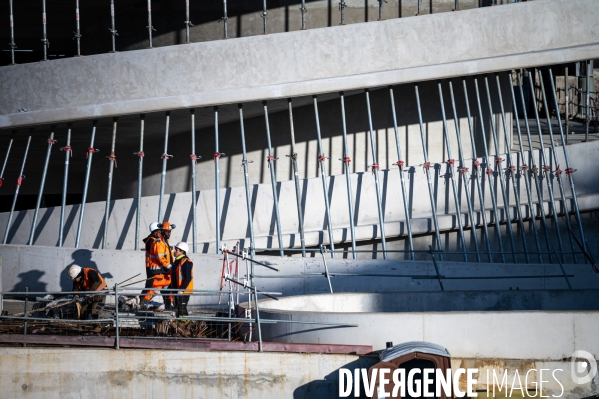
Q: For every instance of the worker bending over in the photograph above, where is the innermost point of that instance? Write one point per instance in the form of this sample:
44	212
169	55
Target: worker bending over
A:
182	278
159	260
88	279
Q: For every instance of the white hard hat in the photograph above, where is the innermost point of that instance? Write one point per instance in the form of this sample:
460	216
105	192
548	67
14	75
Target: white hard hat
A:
154	226
182	246
74	271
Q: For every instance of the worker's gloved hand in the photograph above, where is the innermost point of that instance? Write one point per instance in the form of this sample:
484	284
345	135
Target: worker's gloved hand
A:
86	300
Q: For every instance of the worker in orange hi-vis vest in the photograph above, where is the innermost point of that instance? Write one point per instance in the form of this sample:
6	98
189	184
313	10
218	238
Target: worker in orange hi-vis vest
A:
159	260
88	280
182	278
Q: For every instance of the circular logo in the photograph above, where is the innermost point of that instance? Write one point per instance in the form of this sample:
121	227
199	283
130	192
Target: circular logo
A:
583	367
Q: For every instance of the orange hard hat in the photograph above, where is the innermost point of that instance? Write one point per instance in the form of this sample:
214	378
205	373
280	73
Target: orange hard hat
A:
166	226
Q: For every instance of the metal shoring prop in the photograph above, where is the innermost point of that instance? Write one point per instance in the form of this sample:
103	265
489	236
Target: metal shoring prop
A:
78	32
419	7
400	165
463	171
588	103
547	171
271	165
534	171
426	168
12	137
12	44
326	268
40	193
511	168
498	169
89	155
346	160
45	41
140	154
68	154
451	172
194	161
150	27
112	160
569	167
323	175
264	14
225	20
456	5
476	176
165	157
246	175
342	6
19	181
188	23
217	156
567	103
557	172
304	10
112	30
489	172
375	171
298	197
524	169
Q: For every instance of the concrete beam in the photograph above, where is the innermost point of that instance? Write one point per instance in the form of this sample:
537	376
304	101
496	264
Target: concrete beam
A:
300	63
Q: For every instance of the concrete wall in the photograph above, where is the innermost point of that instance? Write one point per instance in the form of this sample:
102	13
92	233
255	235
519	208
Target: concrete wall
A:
299	63
73	373
46	269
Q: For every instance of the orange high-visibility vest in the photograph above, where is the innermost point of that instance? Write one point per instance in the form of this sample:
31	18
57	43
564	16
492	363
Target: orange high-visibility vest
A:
85	284
178	276
159	257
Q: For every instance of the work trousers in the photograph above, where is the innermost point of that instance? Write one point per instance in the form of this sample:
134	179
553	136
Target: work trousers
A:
181	302
159	281
90	310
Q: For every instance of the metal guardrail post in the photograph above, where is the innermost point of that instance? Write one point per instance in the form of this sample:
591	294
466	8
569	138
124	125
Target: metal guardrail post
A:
500	176
40	193
246	180
524	167
165	157
12	44
225	20
68	152
140	154
534	170
463	171
588	102
112	159
298	198
217	155
116	316
400	165
14	200
78	32
436	267
273	180
194	159
150	27
258	319
426	169
323	176
476	173
346	160
489	172
89	155
188	22
112	29
264	14
568	166
557	172
547	171
375	171
511	167
342	6
303	10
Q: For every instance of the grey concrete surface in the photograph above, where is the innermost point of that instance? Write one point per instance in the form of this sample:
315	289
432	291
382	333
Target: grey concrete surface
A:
505	335
299	63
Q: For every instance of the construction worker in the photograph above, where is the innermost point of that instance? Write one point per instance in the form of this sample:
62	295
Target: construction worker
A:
159	260
182	278
90	280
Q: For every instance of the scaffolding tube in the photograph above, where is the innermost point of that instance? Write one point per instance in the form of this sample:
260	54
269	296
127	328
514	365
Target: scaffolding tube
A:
112	159
68	154
40	193
140	155
298	194
194	160
346	160
19	181
89	155
165	157
244	163
217	155
112	29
